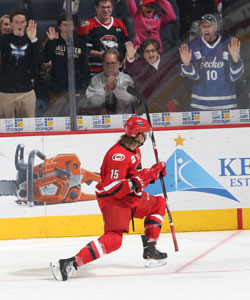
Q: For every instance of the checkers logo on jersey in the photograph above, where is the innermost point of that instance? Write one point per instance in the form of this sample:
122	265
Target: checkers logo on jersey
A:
109	41
118	157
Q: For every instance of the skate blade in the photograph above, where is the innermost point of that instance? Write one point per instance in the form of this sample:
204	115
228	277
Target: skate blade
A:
55	268
151	263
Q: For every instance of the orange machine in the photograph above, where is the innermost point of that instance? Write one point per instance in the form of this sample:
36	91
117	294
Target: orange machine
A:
56	180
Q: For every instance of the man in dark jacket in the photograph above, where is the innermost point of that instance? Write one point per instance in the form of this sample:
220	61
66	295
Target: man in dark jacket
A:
56	52
19	52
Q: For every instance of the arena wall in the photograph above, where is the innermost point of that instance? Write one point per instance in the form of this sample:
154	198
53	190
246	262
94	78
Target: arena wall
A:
207	181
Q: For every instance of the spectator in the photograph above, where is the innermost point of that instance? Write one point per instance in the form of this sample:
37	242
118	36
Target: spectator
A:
19	51
56	52
121	198
192	10
5	25
148	70
213	63
146	22
101	33
107	92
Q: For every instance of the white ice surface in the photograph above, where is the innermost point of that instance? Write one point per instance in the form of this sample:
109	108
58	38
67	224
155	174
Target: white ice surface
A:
209	266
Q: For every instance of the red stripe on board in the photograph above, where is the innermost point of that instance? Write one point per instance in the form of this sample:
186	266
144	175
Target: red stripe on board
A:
239	218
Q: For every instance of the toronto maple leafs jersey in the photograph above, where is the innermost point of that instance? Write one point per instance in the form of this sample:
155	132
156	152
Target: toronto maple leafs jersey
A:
100	37
213	74
18	58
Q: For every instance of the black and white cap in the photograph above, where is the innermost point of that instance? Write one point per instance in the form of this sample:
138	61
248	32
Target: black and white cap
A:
209	18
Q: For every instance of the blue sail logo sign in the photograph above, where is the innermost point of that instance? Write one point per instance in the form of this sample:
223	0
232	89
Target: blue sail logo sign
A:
185	174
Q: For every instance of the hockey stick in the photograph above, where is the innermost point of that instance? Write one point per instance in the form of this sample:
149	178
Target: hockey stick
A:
131	90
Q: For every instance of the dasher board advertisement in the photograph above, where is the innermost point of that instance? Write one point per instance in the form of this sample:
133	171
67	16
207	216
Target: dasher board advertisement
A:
206	169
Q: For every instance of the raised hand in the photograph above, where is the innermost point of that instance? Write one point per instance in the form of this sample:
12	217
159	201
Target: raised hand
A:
131	50
234	49
185	54
31	30
52	34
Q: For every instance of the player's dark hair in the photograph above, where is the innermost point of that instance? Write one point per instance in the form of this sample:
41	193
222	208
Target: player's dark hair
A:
145	43
18	11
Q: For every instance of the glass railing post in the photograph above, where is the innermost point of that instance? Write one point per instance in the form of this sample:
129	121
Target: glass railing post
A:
71	66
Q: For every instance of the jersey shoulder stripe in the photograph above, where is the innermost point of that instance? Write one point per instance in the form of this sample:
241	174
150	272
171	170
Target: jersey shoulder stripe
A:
88	25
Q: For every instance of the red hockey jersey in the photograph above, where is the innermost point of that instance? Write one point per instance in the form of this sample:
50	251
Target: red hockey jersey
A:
119	165
101	37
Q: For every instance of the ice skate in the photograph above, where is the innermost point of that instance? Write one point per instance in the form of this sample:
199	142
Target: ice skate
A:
153	257
64	268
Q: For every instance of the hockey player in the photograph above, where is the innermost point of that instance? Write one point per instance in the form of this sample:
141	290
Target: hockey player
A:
121	198
213	63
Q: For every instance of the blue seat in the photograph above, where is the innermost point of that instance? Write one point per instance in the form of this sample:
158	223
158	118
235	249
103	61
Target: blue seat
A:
130	28
44	9
43	26
86	9
6	6
123	14
122	9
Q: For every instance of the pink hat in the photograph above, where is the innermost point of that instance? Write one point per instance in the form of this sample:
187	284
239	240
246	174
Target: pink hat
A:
145	2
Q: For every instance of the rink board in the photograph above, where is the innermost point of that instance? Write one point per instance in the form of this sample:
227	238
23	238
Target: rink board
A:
92	225
207	182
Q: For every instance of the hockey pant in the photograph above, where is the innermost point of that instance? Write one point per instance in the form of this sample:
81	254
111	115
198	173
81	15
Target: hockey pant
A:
151	207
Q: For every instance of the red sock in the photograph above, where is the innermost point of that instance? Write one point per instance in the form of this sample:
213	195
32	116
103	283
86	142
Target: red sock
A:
152	227
107	243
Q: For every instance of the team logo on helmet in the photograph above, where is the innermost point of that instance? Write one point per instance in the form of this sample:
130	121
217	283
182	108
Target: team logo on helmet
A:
135	125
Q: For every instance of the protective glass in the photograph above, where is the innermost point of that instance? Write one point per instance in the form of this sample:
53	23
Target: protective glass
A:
147	134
